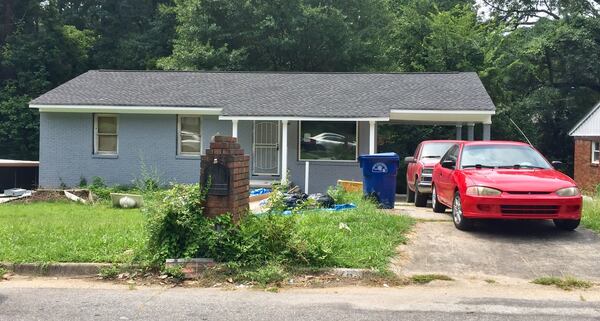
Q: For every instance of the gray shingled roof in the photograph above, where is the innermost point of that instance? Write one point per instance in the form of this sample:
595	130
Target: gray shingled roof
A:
277	94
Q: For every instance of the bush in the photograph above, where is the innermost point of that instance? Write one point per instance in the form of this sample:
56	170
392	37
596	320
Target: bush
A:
270	273
176	226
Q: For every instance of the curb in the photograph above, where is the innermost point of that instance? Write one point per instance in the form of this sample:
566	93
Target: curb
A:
56	269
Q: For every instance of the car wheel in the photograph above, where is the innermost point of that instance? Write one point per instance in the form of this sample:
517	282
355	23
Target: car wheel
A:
410	195
420	198
567	225
460	222
437	206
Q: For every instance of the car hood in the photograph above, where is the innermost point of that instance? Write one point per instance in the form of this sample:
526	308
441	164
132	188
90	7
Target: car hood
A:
523	180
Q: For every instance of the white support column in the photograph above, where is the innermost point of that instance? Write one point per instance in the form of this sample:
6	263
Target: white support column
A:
487	129
306	176
372	137
471	131
459	131
284	151
234	128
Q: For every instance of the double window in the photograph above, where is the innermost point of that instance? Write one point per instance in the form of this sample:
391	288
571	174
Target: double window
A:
595	152
188	136
106	134
330	141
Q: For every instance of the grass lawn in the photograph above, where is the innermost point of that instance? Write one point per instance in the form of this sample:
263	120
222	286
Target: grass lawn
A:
370	243
69	232
591	215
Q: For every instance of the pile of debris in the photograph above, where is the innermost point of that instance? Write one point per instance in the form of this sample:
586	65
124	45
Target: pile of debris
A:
43	195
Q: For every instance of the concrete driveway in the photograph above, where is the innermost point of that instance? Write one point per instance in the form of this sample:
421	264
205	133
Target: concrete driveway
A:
520	249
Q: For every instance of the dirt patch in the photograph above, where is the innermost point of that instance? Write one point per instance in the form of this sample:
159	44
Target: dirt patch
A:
51	196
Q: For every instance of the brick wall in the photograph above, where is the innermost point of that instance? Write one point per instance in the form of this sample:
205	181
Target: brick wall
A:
587	175
226	151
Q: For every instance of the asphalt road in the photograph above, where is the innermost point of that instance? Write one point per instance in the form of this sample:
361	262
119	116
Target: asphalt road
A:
22	303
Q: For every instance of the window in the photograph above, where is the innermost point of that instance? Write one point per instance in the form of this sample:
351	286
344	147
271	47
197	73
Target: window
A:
595	152
330	141
106	133
188	135
451	154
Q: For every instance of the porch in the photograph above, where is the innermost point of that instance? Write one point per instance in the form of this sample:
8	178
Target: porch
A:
316	152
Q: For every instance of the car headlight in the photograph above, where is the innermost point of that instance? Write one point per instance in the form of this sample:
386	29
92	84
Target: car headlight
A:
569	191
482	191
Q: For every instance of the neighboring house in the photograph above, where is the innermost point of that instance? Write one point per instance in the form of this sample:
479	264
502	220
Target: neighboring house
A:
587	150
107	123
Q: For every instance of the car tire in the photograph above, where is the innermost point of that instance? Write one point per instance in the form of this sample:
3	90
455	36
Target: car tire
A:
410	195
437	206
420	198
566	225
460	222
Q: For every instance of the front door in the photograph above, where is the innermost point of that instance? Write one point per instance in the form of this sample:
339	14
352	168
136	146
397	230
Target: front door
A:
265	149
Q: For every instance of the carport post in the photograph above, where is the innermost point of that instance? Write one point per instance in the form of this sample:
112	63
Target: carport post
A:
471	131
284	151
459	131
234	128
372	137
487	131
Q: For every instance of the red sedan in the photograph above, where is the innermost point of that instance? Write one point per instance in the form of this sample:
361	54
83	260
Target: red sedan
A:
503	180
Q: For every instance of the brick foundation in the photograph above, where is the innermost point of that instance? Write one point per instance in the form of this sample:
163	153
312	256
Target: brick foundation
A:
226	151
587	175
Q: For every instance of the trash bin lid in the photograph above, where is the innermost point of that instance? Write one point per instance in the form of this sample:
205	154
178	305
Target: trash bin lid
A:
392	156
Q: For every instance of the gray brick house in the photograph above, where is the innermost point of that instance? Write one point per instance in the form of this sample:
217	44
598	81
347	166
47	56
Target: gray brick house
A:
106	123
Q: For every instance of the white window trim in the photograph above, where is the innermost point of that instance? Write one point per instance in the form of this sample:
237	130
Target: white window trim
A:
179	152
595	161
96	134
327	160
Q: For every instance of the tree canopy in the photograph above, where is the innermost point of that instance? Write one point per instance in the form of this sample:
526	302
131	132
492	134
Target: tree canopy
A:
539	59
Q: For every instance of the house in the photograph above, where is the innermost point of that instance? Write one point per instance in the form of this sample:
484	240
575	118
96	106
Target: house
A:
107	123
587	150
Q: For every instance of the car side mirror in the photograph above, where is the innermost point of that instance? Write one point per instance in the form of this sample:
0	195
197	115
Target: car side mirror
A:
448	163
557	163
409	160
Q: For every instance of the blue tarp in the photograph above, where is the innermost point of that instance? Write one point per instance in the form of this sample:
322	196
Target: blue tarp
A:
260	191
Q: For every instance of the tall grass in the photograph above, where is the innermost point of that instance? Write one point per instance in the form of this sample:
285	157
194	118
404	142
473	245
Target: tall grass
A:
591	214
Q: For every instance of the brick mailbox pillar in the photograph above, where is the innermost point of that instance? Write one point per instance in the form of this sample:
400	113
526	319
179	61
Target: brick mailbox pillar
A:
228	170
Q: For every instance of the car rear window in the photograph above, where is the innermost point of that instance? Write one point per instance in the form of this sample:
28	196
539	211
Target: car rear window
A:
435	150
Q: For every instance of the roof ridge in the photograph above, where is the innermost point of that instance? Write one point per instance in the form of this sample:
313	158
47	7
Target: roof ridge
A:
288	72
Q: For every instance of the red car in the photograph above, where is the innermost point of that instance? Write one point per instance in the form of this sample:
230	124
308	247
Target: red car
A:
503	180
420	167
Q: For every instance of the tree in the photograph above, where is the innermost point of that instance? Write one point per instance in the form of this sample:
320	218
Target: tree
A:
276	35
528	12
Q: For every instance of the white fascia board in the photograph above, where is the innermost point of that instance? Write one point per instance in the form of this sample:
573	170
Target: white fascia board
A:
459	116
127	109
584	119
285	118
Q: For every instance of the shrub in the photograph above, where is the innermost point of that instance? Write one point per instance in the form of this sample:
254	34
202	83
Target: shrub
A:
176	226
271	273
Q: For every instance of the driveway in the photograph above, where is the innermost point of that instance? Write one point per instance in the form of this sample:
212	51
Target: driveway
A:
520	249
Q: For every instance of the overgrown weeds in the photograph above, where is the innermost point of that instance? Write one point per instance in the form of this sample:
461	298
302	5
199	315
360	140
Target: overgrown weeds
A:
567	283
427	278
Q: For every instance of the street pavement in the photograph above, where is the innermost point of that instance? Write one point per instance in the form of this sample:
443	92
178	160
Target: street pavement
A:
436	302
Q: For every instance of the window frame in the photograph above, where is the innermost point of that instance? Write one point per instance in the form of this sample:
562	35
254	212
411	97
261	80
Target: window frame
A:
594	150
179	141
356	151
97	134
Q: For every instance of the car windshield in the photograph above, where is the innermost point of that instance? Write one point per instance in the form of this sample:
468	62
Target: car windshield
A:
502	156
435	150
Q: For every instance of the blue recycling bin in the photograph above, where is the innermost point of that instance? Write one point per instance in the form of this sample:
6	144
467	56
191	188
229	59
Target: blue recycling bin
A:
379	177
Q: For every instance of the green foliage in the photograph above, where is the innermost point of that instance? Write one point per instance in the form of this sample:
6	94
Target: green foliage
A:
264	275
70	232
427	278
109	273
176	226
590	217
568	283
175	272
